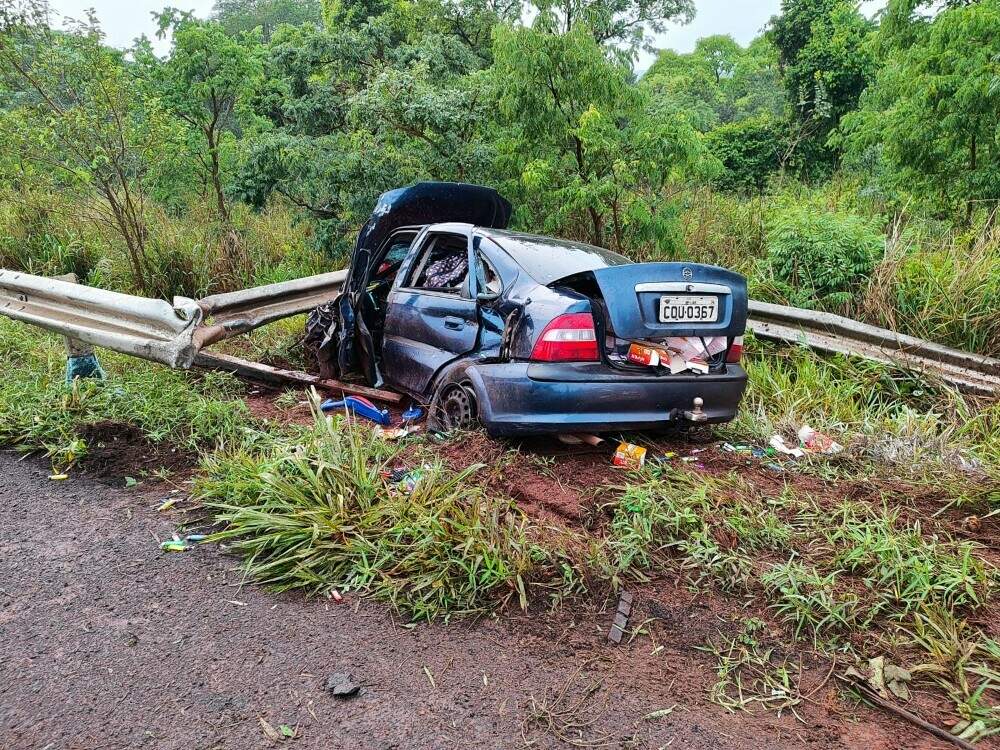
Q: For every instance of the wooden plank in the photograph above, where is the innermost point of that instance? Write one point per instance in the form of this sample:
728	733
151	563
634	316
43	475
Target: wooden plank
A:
265	373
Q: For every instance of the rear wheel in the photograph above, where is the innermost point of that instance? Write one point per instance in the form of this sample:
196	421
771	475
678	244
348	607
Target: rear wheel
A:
453	407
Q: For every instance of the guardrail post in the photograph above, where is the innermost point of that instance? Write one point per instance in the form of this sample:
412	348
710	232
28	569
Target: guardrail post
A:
81	359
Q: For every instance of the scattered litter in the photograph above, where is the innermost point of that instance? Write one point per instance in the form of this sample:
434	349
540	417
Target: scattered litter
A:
408	478
778	443
59	477
750	450
730	448
342	685
678	354
412	414
659	713
169	503
360	406
668	456
816	442
395	433
337	596
176	544
287	731
236	602
630	455
621	618
689	459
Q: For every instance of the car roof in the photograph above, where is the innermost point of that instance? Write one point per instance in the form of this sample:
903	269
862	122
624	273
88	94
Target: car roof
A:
548	259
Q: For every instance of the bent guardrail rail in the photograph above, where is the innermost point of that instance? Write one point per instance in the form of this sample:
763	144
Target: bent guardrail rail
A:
174	334
171	334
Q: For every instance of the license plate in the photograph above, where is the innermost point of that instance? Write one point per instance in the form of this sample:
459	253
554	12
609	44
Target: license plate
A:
687	308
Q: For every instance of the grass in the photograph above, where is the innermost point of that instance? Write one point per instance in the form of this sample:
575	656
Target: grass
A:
38	409
325	516
750	674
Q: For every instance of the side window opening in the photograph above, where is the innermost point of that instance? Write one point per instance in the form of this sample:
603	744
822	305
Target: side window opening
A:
393	257
489	279
443	266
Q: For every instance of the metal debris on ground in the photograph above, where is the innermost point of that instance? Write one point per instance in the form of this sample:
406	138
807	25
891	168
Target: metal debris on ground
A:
342	685
622	614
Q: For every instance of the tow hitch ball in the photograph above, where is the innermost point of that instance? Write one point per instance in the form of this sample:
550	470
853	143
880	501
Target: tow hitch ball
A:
696	414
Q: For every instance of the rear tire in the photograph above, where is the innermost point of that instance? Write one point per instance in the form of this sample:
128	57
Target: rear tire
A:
454	407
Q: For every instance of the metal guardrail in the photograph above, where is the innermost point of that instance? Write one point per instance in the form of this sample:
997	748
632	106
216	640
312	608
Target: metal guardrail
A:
972	373
146	328
174	334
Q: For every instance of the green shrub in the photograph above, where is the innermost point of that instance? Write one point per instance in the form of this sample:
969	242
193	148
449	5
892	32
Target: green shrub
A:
819	259
750	152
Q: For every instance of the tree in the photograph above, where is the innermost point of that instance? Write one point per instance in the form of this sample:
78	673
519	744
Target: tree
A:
718	83
207	78
931	116
750	152
827	60
240	16
355	110
612	22
77	112
587	154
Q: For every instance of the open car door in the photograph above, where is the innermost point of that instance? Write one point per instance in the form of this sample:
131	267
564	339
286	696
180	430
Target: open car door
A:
342	332
432	314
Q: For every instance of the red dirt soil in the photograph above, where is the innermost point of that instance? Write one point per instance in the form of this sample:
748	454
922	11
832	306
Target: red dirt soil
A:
107	642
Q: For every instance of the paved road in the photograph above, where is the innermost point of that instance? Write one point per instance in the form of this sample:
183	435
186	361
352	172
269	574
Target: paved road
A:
105	642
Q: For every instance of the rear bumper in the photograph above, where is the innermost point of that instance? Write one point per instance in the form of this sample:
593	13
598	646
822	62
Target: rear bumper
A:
520	398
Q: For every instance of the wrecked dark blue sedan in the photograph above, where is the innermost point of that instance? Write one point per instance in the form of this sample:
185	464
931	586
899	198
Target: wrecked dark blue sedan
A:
527	334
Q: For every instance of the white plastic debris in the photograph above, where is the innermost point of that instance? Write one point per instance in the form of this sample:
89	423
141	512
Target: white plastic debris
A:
778	443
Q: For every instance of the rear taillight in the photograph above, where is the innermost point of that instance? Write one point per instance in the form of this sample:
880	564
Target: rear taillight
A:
568	338
735	351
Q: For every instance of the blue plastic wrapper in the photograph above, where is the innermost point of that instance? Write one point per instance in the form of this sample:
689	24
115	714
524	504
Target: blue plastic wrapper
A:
86	366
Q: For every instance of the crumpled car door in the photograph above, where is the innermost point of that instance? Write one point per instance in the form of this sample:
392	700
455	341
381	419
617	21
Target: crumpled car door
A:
432	317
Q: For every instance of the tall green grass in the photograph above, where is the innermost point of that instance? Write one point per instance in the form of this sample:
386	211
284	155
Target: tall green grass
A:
324	516
38	410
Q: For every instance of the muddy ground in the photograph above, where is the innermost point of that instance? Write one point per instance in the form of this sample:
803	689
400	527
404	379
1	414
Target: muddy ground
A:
107	642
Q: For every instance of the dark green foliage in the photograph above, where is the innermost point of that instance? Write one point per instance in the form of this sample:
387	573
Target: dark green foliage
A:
827	60
821	259
751	152
930	120
238	16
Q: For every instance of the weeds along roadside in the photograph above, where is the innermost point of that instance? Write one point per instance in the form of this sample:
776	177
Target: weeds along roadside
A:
314	510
